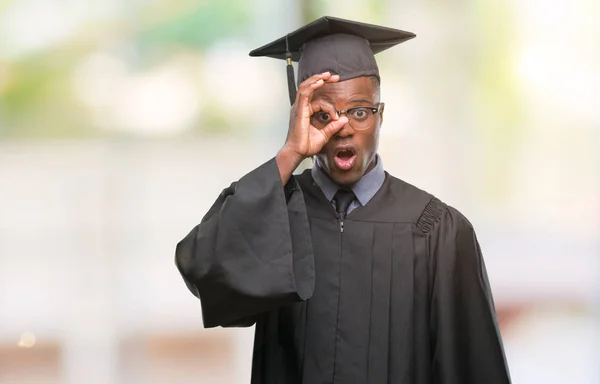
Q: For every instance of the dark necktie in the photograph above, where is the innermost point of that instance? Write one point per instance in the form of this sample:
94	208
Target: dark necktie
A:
342	199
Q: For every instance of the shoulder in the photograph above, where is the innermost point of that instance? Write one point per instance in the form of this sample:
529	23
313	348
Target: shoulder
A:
431	212
423	208
402	201
440	217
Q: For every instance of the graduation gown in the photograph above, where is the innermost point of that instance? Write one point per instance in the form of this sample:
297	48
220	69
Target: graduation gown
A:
400	296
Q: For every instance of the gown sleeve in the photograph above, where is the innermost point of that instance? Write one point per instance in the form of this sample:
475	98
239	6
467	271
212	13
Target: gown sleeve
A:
252	252
467	345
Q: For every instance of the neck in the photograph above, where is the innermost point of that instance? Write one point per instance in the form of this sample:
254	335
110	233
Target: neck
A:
372	164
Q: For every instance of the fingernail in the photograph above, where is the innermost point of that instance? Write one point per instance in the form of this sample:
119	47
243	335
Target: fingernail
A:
319	82
325	73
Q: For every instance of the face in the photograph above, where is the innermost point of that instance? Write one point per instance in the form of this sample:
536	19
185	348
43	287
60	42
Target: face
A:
350	153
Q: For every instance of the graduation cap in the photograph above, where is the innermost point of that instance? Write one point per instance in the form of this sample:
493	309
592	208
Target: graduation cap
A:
343	47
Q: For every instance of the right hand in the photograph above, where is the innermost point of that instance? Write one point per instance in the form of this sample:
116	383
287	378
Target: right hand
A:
303	139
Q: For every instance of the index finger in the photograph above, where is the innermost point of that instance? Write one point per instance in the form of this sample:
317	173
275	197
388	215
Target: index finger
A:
307	89
325	76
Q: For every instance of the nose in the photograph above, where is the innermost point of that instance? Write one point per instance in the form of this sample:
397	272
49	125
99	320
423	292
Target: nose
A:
346	130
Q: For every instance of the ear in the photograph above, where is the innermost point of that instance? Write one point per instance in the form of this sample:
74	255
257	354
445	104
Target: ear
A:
381	113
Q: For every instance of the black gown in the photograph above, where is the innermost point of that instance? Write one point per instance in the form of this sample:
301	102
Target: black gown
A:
400	296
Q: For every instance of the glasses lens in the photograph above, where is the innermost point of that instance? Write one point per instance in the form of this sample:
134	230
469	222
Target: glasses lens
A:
361	118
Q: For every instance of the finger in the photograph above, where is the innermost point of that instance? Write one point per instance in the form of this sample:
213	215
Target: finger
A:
334	127
327	79
321	81
310	85
315	82
315	78
333	79
322	105
305	93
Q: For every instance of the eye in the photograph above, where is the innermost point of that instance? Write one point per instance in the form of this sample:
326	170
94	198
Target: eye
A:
360	113
323	117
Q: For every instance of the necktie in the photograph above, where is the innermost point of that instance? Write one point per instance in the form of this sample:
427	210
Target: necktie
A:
343	198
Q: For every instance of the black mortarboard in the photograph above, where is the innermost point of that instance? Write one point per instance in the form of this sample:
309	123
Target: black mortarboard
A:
343	47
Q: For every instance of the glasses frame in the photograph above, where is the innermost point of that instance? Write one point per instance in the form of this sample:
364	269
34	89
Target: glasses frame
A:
374	110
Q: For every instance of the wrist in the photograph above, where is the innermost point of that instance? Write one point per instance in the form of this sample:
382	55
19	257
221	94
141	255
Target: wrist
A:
287	162
289	155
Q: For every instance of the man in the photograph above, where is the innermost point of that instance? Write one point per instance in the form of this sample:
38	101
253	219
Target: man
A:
350	274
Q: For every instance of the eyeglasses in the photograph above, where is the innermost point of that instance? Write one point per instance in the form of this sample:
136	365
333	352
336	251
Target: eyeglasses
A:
359	118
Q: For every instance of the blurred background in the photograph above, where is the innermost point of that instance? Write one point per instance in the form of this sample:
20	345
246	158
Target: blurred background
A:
122	120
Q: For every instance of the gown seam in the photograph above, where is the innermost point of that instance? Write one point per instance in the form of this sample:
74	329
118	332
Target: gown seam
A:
305	304
371	305
337	319
391	295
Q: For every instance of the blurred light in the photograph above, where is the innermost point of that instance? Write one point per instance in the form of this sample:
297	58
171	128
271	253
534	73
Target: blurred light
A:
403	113
162	101
27	340
37	24
165	101
553	346
241	83
543	72
97	79
557	68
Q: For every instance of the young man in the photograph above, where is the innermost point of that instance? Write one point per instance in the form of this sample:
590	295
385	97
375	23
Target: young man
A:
350	274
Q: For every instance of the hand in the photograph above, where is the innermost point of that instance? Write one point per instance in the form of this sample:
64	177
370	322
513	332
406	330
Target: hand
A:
303	139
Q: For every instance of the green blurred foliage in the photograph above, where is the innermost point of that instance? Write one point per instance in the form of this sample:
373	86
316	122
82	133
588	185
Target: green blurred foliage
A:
311	9
369	11
214	121
197	27
37	99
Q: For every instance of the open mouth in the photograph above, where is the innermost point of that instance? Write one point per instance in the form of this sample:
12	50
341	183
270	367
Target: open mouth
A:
345	157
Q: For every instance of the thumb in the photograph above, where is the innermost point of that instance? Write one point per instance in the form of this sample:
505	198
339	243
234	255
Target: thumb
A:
334	127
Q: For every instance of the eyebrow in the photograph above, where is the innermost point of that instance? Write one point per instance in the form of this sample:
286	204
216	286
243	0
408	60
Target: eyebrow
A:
355	101
361	101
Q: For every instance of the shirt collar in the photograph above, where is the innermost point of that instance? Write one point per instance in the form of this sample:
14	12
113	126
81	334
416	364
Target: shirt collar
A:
364	189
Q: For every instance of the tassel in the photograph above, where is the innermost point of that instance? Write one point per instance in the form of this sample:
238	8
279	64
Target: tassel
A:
291	80
290	74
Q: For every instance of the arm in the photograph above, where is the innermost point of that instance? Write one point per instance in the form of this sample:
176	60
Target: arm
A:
467	342
251	253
